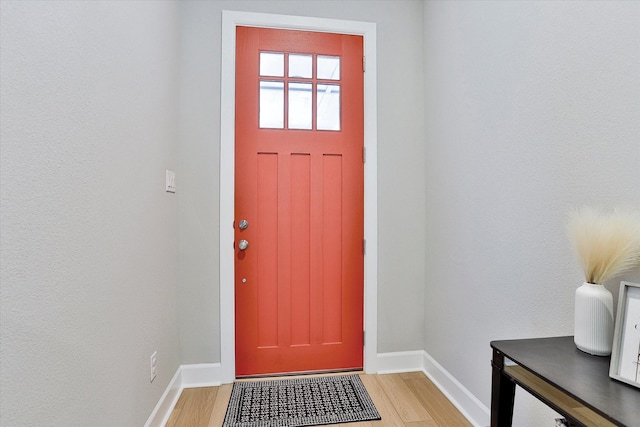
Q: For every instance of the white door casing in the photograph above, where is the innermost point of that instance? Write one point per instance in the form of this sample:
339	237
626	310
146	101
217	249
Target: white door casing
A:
230	20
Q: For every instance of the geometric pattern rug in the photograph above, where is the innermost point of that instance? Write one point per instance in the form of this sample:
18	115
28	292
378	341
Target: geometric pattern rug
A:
299	402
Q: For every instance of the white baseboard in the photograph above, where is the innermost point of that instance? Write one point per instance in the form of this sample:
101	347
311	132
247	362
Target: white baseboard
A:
469	405
410	361
186	376
201	375
401	361
167	402
210	374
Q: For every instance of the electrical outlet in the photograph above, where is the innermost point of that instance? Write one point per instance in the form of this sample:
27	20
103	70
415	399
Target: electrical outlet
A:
153	365
171	181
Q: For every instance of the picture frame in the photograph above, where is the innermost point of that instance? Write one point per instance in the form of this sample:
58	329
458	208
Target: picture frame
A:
625	357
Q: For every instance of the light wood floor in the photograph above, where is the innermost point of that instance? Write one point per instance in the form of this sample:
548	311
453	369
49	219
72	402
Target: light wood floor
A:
408	399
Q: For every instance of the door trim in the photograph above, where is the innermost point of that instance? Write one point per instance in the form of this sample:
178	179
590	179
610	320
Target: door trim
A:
230	20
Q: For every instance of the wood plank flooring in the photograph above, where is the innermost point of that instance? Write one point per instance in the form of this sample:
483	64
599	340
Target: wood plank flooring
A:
407	399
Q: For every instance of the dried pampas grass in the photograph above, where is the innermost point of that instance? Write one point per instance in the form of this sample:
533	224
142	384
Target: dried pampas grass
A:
606	244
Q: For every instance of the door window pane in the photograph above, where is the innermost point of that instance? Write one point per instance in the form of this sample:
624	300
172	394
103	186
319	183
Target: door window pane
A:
328	107
300	105
300	66
272	64
271	104
328	67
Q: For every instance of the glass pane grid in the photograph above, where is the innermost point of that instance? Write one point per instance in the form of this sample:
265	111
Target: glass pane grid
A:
299	88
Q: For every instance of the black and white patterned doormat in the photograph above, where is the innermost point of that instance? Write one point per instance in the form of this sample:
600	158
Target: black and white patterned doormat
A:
299	402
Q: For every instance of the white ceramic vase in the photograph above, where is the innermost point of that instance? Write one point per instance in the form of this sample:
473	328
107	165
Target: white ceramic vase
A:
594	319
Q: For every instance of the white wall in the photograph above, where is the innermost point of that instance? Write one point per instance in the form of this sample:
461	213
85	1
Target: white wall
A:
531	108
89	237
400	166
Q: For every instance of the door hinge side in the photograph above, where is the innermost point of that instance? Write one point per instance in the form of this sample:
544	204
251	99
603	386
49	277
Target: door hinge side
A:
364	64
364	334
364	246
364	154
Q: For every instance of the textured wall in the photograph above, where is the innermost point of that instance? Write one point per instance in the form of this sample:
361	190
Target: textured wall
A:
89	238
531	108
400	166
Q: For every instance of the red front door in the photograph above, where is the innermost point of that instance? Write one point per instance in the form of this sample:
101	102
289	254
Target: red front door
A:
299	187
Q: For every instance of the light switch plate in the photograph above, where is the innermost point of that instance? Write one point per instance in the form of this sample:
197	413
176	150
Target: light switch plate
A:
171	181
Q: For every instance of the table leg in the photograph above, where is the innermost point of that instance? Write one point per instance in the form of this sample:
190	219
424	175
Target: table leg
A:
503	391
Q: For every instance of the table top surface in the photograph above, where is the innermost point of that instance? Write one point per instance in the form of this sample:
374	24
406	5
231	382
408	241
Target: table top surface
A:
584	377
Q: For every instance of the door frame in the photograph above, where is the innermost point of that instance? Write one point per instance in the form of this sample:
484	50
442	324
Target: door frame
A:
230	20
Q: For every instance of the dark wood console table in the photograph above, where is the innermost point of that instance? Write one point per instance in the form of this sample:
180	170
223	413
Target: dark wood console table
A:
571	382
